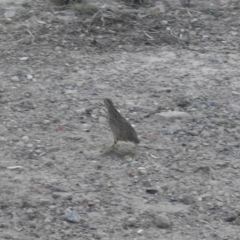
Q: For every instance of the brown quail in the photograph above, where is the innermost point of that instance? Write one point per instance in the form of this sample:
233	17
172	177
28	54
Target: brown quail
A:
121	128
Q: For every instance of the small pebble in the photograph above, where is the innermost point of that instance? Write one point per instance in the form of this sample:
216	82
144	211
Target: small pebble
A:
46	122
29	77
29	145
80	111
63	107
72	217
20	144
102	120
15	79
142	170
131	222
25	138
162	221
44	201
32	224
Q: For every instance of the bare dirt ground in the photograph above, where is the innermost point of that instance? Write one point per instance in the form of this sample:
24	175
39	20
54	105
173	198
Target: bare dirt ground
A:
58	178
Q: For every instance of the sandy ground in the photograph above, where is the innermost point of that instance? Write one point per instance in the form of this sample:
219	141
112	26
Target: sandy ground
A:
58	177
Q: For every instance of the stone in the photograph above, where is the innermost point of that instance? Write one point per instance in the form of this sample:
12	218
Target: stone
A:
20	144
152	137
23	58
62	195
10	13
44	201
72	217
162	221
142	170
192	33
188	199
205	134
102	120
15	79
63	107
32	224
25	139
173	115
80	111
70	92
131	222
234	33
46	122
235	107
29	77
164	22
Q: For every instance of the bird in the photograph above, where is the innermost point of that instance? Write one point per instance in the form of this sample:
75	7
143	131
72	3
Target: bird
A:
121	129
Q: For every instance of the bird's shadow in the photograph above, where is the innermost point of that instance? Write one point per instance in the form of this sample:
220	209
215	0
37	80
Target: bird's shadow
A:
119	151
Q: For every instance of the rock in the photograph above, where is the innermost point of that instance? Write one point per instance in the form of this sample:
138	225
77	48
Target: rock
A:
162	221
85	225
131	173
72	217
164	22
3	139
205	134
63	107
32	224
15	79
102	120
29	145
129	48
188	199
194	20
76	69
7	236
142	170
62	195
96	236
23	58
71	92
60	187
192	33
46	122
192	133
29	77
236	108
20	144
80	111
26	40
235	93
25	139
205	169
131	222
48	219
49	163
44	201
182	101
234	33
152	137
10	13
173	115
231	218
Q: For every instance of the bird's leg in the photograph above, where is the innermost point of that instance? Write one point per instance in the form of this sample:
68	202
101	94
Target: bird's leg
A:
114	143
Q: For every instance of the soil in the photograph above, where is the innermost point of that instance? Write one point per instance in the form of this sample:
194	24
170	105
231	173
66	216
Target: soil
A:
172	69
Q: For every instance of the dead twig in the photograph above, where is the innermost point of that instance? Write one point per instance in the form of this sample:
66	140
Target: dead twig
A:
148	35
33	38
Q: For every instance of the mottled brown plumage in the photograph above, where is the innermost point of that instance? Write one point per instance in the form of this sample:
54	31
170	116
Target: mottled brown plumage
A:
121	128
